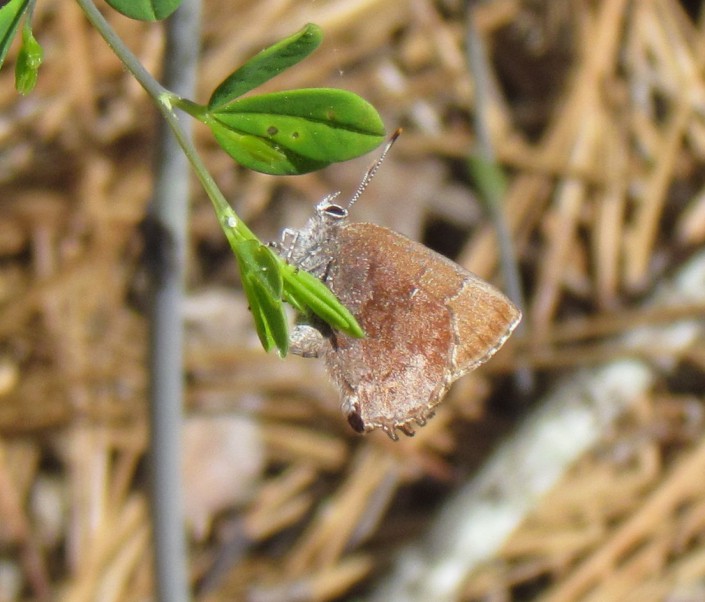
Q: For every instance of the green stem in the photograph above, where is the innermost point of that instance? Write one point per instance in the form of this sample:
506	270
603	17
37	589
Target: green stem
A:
191	108
235	229
314	294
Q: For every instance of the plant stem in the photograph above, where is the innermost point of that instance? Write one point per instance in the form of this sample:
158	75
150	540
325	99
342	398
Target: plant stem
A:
235	229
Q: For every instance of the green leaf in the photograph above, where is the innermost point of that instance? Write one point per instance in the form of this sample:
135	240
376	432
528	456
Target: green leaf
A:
296	131
10	17
262	282
267	280
260	155
302	290
28	62
266	65
145	10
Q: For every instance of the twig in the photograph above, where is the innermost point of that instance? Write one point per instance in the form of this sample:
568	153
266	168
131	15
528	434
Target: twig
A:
168	211
477	60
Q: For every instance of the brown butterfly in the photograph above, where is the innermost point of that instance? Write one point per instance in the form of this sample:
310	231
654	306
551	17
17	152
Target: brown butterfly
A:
427	320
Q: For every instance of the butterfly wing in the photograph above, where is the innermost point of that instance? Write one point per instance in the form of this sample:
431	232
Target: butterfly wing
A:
428	322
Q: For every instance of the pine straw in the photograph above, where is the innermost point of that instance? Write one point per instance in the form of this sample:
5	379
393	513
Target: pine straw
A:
599	123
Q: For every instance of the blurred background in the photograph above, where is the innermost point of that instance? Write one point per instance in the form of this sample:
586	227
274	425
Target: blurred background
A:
596	110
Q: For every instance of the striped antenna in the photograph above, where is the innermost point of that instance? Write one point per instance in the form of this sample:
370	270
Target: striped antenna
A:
373	169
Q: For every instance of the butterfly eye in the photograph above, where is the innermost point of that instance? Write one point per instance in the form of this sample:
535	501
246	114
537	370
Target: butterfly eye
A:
335	212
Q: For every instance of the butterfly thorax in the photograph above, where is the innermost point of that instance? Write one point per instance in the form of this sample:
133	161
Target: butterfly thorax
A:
310	248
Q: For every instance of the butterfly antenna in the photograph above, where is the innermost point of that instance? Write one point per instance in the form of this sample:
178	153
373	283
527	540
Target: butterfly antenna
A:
373	169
